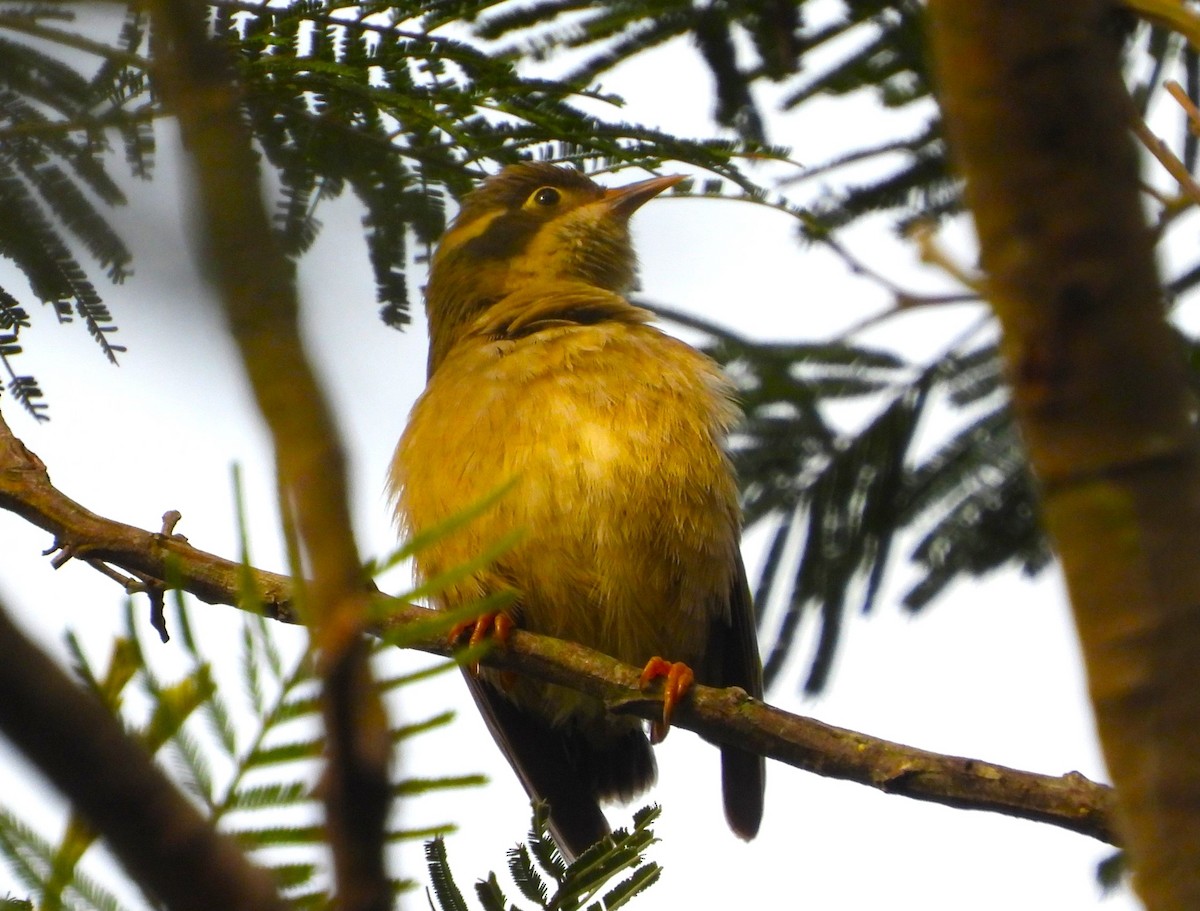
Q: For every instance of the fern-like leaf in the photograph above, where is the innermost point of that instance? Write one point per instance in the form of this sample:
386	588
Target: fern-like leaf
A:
449	896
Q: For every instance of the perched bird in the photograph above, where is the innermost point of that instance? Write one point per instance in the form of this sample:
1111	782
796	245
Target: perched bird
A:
611	433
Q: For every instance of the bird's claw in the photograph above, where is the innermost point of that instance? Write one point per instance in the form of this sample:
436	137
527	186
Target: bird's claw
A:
679	679
496	626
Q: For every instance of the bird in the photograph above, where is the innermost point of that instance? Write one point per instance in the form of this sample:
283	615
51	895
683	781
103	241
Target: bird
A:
621	504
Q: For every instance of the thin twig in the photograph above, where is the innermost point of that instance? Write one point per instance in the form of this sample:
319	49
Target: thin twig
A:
1167	159
1180	95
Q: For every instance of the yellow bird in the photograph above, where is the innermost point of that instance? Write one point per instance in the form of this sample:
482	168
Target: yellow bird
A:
542	375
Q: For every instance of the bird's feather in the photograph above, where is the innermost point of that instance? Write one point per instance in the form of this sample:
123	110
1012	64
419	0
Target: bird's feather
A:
737	663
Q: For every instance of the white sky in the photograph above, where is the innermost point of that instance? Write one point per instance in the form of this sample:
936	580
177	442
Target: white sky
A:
990	671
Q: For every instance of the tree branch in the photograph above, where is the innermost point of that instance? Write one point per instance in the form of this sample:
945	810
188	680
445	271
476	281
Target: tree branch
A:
1071	801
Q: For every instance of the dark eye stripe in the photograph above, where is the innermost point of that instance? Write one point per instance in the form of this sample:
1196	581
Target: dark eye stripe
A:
506	236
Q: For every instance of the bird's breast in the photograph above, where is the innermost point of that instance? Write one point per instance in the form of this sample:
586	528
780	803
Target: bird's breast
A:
611	435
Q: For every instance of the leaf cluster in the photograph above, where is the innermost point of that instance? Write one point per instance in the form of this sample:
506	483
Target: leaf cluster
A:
835	501
56	125
808	48
388	101
547	881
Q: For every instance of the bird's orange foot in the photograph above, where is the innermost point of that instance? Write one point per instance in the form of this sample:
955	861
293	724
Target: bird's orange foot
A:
496	626
679	679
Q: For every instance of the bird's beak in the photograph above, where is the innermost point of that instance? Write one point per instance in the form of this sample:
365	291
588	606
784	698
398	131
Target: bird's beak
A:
624	201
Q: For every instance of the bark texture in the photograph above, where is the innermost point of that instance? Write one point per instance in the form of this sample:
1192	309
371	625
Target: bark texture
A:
1037	120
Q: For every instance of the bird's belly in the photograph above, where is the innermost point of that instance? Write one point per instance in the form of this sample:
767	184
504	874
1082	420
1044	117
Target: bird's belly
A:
621	496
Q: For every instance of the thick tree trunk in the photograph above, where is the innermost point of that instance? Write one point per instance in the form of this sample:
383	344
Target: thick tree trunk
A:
1037	121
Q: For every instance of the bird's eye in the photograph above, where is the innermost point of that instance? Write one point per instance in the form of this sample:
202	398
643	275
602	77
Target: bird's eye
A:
546	196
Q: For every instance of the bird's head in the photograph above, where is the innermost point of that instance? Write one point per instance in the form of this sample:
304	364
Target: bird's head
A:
532	223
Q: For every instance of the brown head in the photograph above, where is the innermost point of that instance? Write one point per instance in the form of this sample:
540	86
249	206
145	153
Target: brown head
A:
531	223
